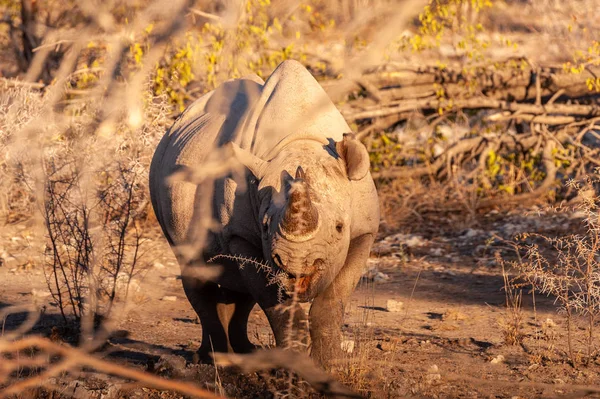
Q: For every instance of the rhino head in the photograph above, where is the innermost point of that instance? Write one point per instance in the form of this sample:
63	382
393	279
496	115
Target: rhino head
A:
305	209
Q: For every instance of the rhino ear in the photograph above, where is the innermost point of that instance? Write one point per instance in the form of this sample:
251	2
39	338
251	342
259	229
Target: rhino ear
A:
256	165
355	156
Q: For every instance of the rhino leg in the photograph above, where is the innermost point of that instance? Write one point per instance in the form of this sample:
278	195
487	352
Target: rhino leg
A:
223	315
266	293
289	324
238	325
327	310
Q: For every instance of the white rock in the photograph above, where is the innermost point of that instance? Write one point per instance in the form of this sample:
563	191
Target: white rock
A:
470	233
433	374
549	323
437	251
498	359
348	346
394	306
40	293
171	298
415	241
381	277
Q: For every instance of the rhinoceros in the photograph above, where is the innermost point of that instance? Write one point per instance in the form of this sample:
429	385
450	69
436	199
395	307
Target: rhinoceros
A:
302	205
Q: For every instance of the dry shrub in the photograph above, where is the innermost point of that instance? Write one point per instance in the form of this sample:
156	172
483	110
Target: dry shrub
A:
90	189
567	269
95	241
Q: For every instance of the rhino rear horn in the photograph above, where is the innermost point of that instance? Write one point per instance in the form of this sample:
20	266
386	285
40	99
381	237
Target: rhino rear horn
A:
300	173
355	156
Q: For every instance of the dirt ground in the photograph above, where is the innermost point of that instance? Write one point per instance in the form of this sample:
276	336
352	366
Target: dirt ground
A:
446	339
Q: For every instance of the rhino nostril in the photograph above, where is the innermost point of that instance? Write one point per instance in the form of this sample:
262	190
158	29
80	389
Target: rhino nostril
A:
318	265
277	260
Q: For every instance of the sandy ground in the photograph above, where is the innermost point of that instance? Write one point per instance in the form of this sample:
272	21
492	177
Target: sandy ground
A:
446	338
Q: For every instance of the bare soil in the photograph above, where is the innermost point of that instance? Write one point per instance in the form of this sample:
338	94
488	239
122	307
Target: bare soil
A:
446	341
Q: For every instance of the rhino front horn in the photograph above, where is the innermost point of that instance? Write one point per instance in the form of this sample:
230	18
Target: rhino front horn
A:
300	217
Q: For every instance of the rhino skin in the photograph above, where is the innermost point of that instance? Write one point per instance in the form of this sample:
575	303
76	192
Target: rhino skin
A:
304	203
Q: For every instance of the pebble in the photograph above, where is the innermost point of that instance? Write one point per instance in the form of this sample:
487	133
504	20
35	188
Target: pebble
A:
171	298
394	306
433	374
40	293
470	233
498	359
436	252
381	277
158	265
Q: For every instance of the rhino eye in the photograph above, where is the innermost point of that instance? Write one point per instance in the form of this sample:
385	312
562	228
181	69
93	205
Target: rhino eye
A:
339	227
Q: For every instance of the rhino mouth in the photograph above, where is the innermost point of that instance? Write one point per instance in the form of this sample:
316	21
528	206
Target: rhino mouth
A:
303	286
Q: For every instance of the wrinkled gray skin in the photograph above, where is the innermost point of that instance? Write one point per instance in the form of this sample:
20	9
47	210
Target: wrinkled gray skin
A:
305	205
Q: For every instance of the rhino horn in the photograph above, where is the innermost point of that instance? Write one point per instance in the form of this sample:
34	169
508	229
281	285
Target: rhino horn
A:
300	217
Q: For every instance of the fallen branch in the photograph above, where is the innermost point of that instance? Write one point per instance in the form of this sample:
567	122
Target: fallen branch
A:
587	111
72	357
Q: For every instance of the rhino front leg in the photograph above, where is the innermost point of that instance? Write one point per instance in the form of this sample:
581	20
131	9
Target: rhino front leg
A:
327	310
289	324
286	318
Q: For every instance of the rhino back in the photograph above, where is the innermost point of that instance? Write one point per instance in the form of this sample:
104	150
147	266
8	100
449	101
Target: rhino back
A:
291	103
208	123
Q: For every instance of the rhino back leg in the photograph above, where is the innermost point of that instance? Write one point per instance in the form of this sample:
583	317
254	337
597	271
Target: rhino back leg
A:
224	317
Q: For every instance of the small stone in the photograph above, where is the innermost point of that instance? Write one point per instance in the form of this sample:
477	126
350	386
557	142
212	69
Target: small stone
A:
433	374
470	233
40	293
381	277
170	298
414	241
158	265
436	252
394	306
558	381
348	346
498	359
549	323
